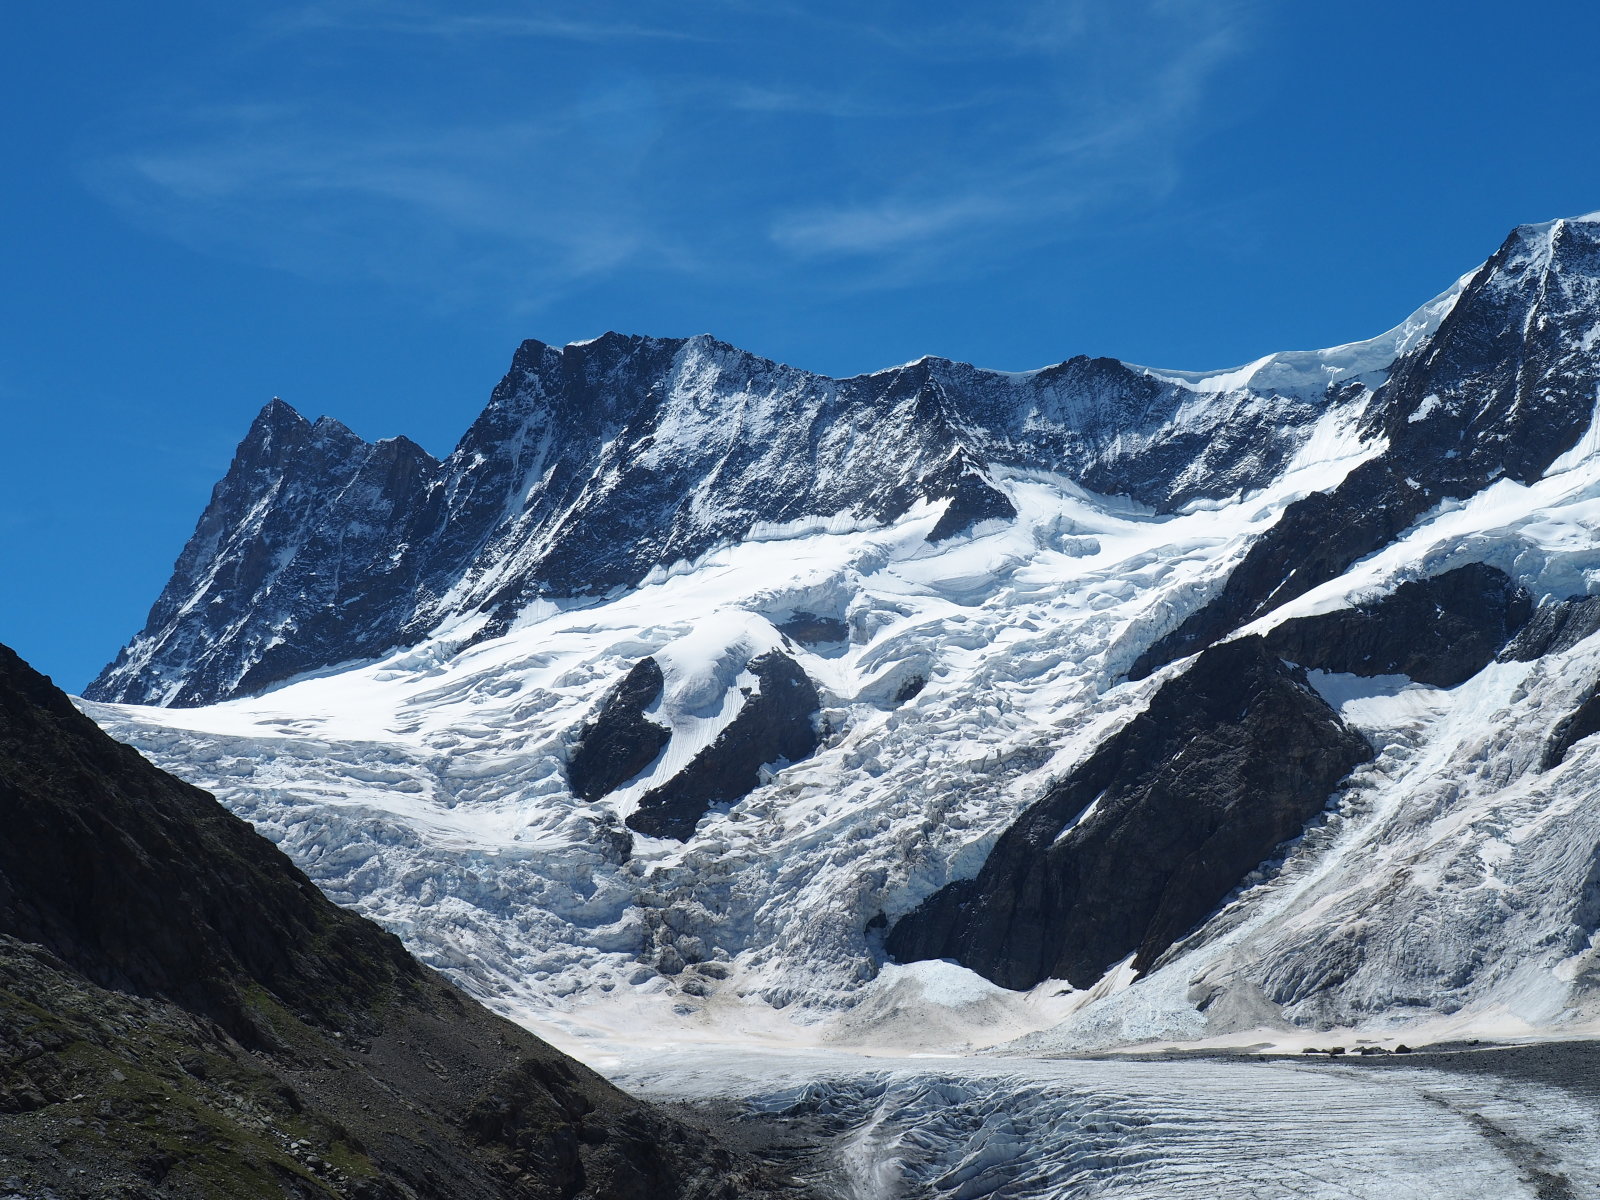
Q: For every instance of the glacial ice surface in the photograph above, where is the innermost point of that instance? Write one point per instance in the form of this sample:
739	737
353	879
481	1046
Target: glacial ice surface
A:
1032	1129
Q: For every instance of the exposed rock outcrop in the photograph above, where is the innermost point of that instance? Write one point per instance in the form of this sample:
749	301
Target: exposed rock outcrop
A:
1579	724
621	741
776	724
1554	627
972	497
1147	836
809	629
1440	631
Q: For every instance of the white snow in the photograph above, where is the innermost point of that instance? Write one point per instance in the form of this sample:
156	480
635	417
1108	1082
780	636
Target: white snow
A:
1311	372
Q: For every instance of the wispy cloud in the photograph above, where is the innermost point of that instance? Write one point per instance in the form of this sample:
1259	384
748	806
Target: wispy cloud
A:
460	153
421	20
887	225
1115	133
825	101
463	202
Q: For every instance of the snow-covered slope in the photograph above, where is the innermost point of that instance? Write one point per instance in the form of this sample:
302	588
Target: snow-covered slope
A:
684	503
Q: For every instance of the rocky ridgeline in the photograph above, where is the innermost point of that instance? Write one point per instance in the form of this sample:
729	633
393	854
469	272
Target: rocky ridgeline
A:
597	463
1504	387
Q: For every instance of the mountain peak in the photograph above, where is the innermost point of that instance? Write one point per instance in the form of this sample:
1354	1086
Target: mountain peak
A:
599	462
276	418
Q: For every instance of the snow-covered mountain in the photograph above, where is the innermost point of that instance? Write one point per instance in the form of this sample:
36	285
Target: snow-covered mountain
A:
602	462
941	706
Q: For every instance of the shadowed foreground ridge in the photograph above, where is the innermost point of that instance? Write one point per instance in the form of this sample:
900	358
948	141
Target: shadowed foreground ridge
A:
183	1013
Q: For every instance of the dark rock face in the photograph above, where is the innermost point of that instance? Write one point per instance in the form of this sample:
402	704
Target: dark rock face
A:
1144	839
183	1013
973	500
1501	390
1440	631
621	741
595	463
1583	721
776	724
909	690
145	884
297	562
1555	627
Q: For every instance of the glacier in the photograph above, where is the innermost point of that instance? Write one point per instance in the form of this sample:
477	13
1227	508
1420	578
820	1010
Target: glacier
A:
427	789
886	1128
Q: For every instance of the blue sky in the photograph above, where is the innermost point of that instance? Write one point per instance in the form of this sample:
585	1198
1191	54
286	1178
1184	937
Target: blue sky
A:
362	206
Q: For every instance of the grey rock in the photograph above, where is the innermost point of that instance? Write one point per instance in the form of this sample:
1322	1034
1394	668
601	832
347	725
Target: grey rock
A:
776	724
621	741
973	499
1137	845
1440	631
1573	728
1555	626
809	629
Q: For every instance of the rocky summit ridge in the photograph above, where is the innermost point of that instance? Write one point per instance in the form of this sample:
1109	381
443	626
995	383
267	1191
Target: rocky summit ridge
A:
597	463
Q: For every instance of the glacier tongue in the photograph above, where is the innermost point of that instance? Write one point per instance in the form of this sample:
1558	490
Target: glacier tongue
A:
957	1129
